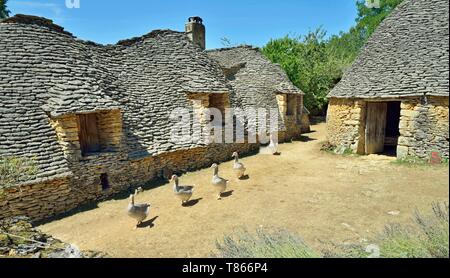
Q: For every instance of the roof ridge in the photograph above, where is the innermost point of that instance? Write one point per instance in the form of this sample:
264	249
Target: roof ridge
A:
50	25
36	20
247	46
152	34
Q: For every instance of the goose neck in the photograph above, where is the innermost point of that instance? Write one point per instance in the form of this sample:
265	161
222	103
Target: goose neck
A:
175	184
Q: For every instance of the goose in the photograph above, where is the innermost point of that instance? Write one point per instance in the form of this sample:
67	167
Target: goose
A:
137	211
184	192
238	166
219	183
273	146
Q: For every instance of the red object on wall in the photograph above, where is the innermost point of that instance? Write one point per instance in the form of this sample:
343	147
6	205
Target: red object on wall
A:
435	158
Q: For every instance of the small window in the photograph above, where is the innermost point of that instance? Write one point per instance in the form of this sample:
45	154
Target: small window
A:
104	181
291	105
88	134
218	101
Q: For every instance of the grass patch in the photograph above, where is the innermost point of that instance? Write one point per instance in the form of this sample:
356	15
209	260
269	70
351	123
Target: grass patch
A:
344	151
412	161
427	236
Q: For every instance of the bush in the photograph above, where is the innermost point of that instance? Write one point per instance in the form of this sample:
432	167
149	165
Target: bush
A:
14	170
426	237
264	244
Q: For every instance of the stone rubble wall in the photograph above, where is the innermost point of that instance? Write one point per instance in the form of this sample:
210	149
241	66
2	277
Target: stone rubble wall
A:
38	201
424	128
305	123
19	239
343	123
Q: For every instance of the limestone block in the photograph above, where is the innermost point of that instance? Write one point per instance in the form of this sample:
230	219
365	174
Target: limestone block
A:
402	152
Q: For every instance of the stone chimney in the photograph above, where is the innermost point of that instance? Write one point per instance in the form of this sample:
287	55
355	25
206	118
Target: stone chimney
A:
195	30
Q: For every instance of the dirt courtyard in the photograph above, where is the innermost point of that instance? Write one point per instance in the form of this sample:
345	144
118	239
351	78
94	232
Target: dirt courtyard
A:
318	195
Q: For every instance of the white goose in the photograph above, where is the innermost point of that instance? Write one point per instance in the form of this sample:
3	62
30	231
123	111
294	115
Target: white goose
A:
219	183
137	211
183	192
238	167
273	146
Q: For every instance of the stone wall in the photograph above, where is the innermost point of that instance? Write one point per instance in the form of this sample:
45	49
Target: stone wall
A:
305	123
291	121
37	201
345	123
424	127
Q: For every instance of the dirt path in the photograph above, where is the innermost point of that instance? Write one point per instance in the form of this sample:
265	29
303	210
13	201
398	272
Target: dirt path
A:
316	194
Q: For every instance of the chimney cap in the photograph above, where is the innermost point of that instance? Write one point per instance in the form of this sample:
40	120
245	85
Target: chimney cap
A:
196	19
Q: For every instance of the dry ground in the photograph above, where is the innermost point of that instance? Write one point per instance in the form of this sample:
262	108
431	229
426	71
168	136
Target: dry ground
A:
316	194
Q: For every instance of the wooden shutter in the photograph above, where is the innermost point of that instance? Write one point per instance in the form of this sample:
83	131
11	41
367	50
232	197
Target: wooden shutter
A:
375	127
88	133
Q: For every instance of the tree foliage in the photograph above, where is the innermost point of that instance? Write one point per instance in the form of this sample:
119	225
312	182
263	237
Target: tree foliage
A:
307	63
369	18
315	63
4	12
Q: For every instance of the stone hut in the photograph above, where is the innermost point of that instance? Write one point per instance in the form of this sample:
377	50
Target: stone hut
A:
96	119
394	98
259	83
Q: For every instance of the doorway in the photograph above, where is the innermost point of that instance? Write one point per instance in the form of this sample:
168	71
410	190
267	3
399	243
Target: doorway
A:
392	128
382	127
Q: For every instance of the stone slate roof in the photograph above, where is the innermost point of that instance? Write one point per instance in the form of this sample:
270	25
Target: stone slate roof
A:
408	55
255	79
45	71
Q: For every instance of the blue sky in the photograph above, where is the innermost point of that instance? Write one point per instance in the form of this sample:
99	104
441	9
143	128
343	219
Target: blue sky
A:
252	22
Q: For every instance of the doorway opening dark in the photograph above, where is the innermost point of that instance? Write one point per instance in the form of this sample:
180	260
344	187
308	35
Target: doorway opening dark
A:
392	128
104	181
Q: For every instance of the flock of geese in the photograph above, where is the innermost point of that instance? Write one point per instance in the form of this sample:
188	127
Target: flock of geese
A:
140	212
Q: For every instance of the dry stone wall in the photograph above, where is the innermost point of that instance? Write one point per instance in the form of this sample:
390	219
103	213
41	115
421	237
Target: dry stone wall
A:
38	201
424	127
345	123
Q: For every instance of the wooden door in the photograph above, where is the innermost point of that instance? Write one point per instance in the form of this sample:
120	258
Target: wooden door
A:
375	127
88	133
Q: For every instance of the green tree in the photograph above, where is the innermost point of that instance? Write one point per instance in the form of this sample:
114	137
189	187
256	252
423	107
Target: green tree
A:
308	64
369	18
4	12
